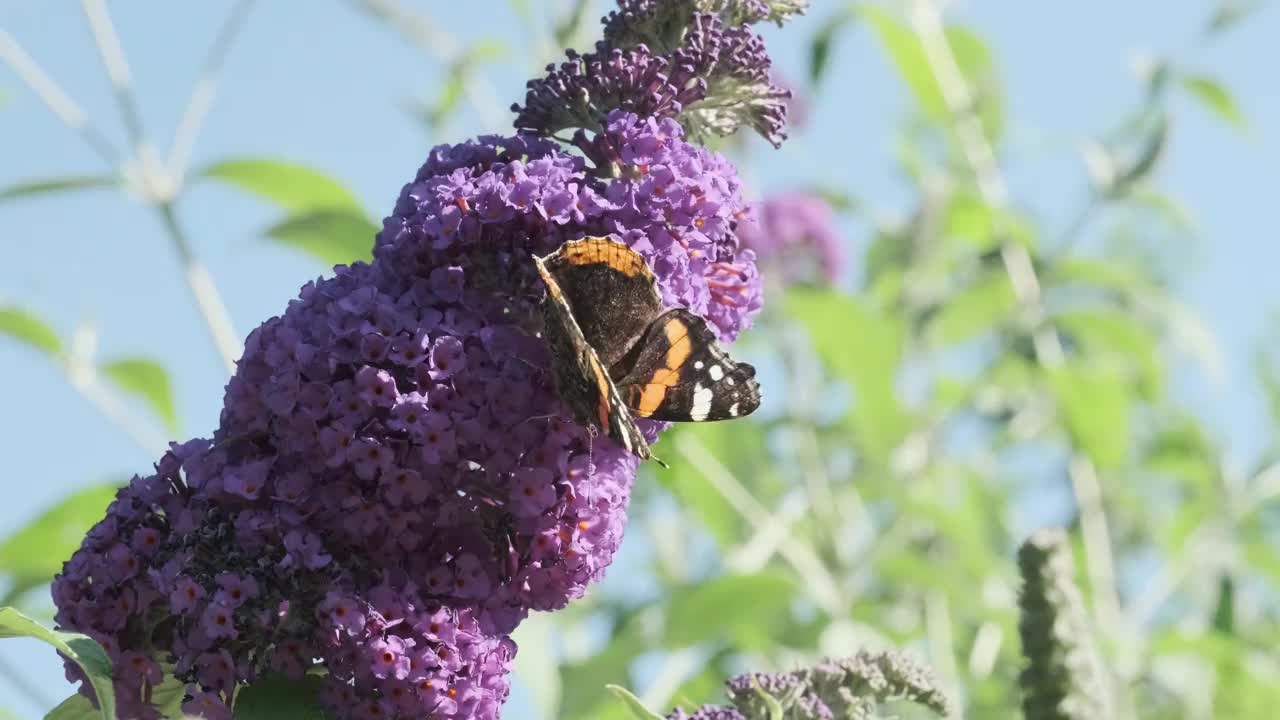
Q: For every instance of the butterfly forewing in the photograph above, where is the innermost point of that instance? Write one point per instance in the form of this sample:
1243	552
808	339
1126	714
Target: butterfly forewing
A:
681	373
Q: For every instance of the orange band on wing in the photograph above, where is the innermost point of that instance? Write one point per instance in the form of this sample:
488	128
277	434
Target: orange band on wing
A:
602	383
602	250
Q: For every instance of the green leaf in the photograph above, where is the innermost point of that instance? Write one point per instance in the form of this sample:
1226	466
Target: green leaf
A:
977	64
1118	339
148	381
981	307
1216	99
76	707
276	697
80	649
332	236
743	608
637	708
167	697
1154	143
863	345
581	680
25	327
972	56
820	48
292	186
570	24
46	186
1095	405
36	552
1230	13
770	702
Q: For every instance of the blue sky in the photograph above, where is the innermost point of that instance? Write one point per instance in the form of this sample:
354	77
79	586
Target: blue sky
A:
330	87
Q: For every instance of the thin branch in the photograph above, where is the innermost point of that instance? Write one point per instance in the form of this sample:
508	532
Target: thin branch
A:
199	281
981	157
203	92
801	557
204	290
107	403
58	102
420	30
938	627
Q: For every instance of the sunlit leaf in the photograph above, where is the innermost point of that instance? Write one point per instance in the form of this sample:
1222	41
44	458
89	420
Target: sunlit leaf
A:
25	327
1095	406
292	186
76	707
981	307
581	680
571	23
1230	13
739	607
80	649
36	551
331	236
47	186
1152	148
821	46
863	346
167	697
1119	339
147	380
276	697
633	704
971	54
1168	208
1216	98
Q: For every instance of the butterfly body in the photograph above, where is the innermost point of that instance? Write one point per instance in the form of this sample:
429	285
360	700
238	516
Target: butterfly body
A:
619	354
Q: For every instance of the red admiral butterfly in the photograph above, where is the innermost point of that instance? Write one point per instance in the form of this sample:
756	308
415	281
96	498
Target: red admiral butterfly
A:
617	353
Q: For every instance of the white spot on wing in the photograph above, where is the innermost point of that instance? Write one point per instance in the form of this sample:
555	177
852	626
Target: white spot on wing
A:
733	410
716	372
697	365
701	403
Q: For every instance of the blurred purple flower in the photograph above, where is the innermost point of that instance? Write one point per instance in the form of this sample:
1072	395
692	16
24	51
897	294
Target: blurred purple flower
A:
795	235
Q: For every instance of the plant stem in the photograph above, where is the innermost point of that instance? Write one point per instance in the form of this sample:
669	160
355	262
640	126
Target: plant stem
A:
158	186
58	102
202	93
801	557
421	31
981	157
203	290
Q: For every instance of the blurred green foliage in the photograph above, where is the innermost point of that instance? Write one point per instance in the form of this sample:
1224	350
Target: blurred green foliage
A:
986	363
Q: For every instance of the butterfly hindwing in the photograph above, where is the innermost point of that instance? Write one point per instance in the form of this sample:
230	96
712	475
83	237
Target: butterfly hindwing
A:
681	373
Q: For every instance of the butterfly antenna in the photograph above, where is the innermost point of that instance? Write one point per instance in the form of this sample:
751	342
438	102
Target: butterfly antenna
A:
658	460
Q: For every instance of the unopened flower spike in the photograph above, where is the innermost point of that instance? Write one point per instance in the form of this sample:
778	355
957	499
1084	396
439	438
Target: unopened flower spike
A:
1063	678
851	688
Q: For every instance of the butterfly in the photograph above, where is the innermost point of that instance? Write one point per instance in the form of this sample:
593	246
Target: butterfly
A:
618	354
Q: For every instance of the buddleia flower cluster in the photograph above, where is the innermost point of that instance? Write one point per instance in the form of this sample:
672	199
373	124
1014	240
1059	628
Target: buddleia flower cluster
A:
394	483
695	60
850	688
